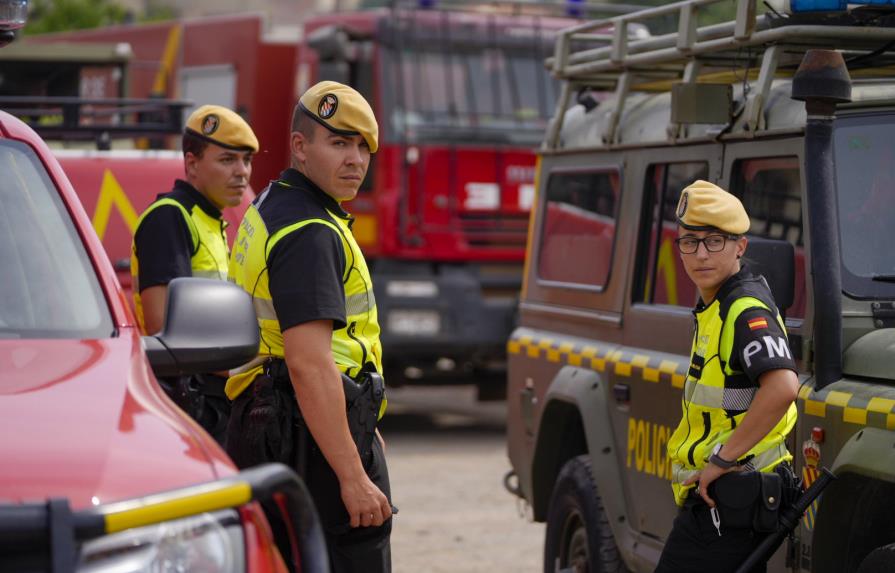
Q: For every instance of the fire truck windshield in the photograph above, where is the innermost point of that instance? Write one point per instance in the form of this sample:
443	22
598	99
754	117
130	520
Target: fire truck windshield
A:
48	288
865	177
474	93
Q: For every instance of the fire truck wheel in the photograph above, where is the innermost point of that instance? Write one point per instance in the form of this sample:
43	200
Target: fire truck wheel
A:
880	560
579	539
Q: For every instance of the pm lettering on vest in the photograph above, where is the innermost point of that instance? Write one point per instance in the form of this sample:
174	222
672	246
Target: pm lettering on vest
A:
774	346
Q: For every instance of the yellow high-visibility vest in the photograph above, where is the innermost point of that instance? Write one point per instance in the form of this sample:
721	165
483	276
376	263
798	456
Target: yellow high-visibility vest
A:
709	397
210	252
354	346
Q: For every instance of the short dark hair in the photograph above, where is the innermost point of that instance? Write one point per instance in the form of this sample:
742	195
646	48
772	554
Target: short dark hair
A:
194	144
301	123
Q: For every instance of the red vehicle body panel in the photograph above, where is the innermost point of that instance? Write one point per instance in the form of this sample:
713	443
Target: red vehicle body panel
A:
116	187
105	428
265	72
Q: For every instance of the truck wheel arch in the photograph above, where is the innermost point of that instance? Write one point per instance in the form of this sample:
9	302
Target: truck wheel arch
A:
852	503
576	421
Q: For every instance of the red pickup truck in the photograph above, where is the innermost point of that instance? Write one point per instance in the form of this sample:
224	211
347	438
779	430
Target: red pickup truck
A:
100	471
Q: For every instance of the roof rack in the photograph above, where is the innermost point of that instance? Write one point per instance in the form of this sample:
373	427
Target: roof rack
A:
519	7
602	54
79	119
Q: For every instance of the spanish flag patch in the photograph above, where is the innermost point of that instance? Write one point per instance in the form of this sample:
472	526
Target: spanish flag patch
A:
757	323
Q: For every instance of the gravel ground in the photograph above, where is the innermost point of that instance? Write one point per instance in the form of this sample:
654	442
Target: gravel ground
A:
447	458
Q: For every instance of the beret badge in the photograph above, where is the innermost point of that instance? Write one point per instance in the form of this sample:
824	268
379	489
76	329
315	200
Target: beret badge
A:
210	124
682	208
328	106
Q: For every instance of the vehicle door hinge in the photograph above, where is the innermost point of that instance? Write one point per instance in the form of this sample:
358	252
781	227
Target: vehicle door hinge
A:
883	314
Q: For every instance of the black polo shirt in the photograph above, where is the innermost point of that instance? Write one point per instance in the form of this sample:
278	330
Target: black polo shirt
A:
163	241
305	268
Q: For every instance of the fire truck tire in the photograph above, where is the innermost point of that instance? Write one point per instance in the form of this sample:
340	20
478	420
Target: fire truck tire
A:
579	539
880	560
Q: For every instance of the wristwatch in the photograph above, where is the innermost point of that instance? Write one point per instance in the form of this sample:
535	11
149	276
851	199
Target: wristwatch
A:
716	459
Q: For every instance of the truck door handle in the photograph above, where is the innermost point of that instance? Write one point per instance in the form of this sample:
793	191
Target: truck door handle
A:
622	393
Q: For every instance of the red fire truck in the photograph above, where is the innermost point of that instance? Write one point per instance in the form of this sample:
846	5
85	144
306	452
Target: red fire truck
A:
462	99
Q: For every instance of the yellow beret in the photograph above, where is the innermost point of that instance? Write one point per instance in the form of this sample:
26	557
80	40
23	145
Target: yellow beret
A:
223	127
341	109
704	206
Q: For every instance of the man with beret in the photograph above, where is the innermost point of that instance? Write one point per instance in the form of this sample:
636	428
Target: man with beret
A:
738	402
182	235
313	298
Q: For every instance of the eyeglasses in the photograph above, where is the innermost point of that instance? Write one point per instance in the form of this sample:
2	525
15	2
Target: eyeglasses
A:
713	243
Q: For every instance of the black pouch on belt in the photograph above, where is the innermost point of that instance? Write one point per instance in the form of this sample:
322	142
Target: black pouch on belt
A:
748	500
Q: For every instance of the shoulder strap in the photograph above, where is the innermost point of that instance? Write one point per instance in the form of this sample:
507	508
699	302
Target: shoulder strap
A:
191	225
750	293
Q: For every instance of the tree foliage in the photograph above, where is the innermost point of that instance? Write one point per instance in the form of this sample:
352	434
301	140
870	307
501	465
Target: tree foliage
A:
61	15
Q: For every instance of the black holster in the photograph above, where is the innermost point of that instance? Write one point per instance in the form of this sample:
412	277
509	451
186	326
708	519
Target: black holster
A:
267	425
753	500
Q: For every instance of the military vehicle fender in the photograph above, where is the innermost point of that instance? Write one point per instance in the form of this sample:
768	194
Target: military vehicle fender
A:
576	421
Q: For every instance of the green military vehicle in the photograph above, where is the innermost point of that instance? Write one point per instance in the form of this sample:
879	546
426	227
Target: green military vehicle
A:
599	359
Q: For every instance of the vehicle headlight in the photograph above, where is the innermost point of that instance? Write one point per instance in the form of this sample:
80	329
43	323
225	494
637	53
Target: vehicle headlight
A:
206	543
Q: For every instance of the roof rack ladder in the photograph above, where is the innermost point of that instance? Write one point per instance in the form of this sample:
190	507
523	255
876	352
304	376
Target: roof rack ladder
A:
622	88
562	102
755	101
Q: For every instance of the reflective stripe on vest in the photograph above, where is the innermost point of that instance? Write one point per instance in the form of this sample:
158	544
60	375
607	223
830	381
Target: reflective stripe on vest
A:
210	252
708	401
353	346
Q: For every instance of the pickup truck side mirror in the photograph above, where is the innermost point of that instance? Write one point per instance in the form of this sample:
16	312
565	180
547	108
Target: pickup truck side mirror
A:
209	325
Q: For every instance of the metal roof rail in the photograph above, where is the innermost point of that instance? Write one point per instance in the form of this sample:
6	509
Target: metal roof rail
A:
519	7
602	54
80	119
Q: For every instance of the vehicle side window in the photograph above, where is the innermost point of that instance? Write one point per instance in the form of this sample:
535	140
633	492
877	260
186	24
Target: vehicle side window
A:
578	230
48	287
661	278
769	188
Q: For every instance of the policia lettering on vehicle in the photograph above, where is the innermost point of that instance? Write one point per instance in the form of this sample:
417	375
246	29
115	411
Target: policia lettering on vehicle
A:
295	254
738	403
182	235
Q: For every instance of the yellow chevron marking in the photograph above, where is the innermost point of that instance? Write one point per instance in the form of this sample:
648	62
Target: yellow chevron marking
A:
575	359
815	408
881	405
590	351
532	351
650	374
640	361
525	340
855	415
111	193
838	398
552	355
668	367
513	347
545	343
804	392
598	364
623	369
566	347
677	380
666	267
172	46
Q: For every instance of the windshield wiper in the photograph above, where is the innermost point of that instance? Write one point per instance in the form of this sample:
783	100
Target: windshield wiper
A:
884	278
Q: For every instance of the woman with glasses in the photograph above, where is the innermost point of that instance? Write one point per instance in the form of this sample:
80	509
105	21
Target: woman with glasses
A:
738	402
